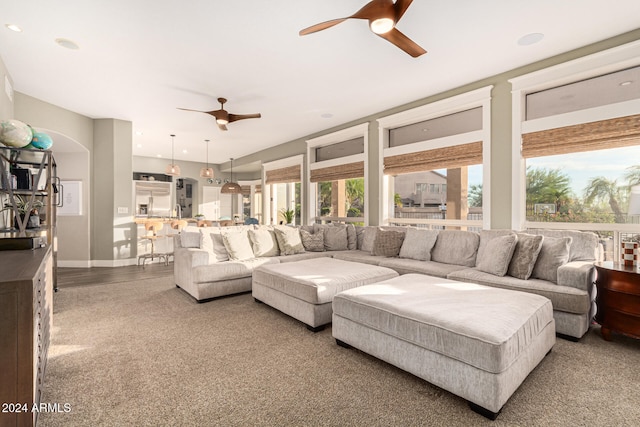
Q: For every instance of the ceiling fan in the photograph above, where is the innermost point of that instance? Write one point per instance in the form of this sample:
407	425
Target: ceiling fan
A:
383	15
223	117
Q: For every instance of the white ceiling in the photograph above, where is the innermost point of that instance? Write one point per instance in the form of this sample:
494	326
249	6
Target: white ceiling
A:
139	60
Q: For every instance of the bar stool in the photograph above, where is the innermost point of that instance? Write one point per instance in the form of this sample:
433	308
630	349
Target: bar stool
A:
176	224
152	227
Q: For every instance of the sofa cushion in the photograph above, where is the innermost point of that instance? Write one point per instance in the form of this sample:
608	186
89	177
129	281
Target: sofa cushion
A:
264	242
238	246
358	256
288	240
430	268
456	247
554	253
563	298
418	244
496	254
485	237
222	271
525	255
387	243
189	239
312	242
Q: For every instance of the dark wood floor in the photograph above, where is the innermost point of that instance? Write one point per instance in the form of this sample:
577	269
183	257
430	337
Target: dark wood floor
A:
68	277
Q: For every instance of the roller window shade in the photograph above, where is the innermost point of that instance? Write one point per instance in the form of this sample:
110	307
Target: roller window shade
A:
257	189
284	175
246	190
600	135
334	173
439	158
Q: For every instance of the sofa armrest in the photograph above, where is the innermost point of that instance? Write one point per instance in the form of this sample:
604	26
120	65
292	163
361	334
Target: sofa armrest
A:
195	257
577	274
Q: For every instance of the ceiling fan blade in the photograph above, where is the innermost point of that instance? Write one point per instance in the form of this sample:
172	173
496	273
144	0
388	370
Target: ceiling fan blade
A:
222	127
401	7
321	26
236	117
403	42
187	109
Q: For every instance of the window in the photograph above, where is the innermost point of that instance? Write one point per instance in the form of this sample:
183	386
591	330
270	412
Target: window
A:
282	190
434	159
580	149
337	170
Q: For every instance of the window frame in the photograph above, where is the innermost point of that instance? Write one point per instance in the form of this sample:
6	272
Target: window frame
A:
477	98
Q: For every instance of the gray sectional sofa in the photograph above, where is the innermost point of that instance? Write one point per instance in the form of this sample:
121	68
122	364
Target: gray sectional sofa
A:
212	262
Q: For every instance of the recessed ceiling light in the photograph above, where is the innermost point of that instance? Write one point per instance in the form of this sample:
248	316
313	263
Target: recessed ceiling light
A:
184	151
530	39
13	27
139	133
139	145
627	83
158	155
326	115
66	43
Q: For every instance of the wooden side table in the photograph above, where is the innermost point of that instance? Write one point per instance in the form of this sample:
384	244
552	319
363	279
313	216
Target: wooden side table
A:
618	299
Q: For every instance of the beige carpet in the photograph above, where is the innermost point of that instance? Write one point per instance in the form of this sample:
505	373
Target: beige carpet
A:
145	353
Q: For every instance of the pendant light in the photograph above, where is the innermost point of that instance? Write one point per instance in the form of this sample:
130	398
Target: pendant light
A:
207	172
172	169
231	187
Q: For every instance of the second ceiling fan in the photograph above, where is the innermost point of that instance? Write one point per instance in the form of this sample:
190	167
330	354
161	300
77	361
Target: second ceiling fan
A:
383	15
223	117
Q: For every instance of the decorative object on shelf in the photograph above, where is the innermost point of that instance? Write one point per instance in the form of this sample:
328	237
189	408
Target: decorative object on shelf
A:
207	172
23	207
172	169
629	253
14	133
41	141
231	187
289	215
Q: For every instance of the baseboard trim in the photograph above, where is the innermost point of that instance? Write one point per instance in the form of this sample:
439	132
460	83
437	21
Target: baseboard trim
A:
74	264
113	263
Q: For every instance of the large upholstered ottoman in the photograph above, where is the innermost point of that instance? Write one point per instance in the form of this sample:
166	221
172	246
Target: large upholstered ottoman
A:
304	289
477	342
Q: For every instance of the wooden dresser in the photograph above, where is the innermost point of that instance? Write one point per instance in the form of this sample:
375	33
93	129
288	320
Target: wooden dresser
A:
618	299
26	311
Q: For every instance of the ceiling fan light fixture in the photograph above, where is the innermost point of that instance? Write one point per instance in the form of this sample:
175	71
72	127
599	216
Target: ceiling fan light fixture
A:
382	25
222	121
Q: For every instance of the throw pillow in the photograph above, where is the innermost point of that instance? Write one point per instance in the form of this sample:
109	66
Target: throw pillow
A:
264	243
554	254
387	243
289	240
219	250
336	238
418	244
368	238
456	247
525	255
238	246
359	236
312	242
497	255
485	237
352	237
